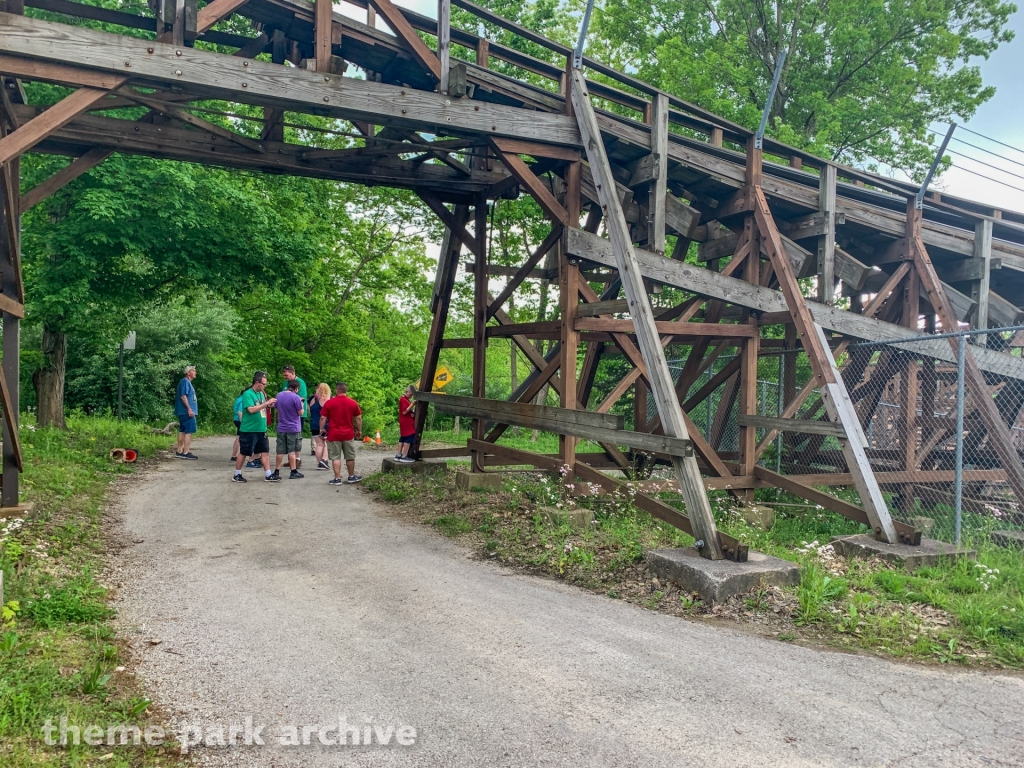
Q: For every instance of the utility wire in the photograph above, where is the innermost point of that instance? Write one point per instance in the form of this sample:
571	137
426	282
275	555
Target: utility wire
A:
982	162
989	151
997	141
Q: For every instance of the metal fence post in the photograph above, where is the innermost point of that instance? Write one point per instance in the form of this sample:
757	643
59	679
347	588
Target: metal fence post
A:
778	412
958	488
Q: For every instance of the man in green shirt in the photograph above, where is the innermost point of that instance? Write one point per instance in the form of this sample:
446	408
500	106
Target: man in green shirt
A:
289	375
252	436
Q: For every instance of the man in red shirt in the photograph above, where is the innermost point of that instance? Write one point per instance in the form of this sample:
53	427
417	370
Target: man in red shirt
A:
341	423
406	424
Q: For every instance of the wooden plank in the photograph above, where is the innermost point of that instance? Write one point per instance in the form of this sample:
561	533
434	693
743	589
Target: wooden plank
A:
322	34
461	404
11	422
267	84
658	374
677	330
610	307
457	229
27	136
705	282
403	29
443	453
792	425
480	303
184	116
536	149
215	11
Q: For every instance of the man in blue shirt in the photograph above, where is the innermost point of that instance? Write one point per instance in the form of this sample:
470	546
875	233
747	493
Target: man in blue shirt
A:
186	408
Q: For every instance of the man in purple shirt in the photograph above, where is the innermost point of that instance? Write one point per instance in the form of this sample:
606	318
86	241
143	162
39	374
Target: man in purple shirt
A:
290	410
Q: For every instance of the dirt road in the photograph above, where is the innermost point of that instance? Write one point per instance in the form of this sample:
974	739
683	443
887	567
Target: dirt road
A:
297	604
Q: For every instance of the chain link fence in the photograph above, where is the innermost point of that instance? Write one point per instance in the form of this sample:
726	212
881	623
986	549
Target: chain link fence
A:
939	451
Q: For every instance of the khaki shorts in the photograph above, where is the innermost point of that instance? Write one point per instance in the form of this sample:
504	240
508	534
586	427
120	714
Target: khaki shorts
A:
335	450
289	442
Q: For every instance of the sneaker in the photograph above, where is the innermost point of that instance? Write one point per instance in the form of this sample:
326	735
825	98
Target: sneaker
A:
253	465
398	457
313	454
322	465
295	475
190	456
274	478
336	481
354	479
238	479
180	455
406	460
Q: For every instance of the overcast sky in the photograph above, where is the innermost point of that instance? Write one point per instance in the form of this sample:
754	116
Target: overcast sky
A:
1002	118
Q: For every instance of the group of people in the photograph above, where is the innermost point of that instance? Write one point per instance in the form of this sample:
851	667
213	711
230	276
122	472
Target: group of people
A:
336	423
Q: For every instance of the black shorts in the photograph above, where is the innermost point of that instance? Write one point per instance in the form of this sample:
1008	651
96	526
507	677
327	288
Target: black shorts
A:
251	443
407	439
238	427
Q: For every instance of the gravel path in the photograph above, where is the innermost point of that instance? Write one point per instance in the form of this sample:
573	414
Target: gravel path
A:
298	603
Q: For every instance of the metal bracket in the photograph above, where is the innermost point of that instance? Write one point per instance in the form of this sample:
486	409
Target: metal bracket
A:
919	197
759	136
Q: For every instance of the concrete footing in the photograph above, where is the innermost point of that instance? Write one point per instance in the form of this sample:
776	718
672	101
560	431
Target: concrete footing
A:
427	467
478	481
758	516
716	580
579	518
928	553
1008	539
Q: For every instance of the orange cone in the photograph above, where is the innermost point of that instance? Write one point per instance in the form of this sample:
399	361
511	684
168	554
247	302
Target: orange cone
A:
367	439
377	440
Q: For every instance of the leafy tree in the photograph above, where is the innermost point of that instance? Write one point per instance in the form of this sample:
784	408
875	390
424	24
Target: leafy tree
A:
862	81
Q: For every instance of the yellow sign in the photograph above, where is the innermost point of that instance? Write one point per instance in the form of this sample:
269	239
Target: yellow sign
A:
442	378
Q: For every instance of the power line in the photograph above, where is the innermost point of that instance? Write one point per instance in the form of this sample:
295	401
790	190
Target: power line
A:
997	141
989	151
982	162
988	178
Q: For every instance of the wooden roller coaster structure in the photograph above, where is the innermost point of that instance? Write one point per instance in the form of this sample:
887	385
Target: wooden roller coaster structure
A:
598	150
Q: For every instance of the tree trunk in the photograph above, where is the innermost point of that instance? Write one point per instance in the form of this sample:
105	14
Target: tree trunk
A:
49	379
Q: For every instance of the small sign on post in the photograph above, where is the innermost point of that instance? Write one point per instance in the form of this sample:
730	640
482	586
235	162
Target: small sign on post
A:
442	378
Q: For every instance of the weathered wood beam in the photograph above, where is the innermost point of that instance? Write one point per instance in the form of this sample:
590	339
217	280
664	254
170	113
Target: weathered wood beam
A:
658	375
403	29
827	240
65	176
980	290
658	191
803	426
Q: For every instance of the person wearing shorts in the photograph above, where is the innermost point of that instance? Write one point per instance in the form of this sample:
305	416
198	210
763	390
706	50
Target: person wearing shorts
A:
186	409
406	424
252	439
341	422
236	412
289	430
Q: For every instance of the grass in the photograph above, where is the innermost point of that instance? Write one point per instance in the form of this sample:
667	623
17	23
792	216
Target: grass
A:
58	653
967	612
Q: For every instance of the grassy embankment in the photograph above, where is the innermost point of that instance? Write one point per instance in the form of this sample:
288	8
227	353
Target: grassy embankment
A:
58	653
970	612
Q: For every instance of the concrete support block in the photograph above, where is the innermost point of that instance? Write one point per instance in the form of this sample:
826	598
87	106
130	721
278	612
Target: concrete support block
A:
1008	539
924	524
929	552
478	481
427	467
758	516
579	518
716	580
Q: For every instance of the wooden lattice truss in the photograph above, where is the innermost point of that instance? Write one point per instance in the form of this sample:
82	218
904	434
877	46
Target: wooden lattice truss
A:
462	134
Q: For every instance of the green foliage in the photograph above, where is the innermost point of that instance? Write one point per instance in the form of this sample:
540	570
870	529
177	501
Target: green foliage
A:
862	79
452	525
79	601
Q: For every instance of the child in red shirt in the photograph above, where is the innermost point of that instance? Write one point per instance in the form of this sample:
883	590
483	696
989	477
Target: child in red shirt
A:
406	424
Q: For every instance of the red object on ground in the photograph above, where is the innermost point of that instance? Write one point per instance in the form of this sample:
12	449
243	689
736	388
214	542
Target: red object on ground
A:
130	455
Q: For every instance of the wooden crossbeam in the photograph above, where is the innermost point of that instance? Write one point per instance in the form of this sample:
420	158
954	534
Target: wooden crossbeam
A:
403	29
65	176
60	114
542	250
183	115
791	425
534	185
458	229
499	408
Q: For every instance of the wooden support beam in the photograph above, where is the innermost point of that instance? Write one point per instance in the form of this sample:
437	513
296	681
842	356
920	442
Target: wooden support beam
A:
184	116
499	409
526	270
713	285
403	29
480	303
60	114
658	374
323	21
215	11
569	294
444	43
676	330
534	185
65	176
1000	439
458	230
656	194
827	240
829	382
981	289
802	426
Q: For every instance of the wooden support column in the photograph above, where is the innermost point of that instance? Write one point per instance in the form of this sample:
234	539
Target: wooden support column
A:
827	241
658	190
273	118
748	363
673	423
569	285
444	283
444	42
322	31
980	288
480	301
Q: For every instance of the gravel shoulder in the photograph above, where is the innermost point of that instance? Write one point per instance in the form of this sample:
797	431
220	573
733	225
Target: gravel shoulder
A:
298	603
